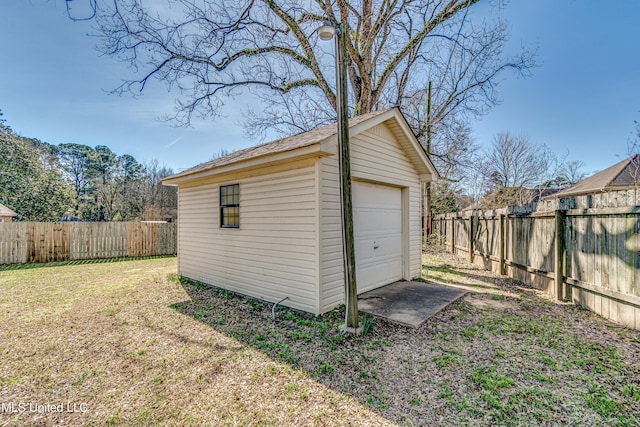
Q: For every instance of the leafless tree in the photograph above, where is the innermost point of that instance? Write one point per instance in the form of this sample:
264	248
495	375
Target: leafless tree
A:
160	202
223	152
633	151
513	161
213	50
570	173
453	149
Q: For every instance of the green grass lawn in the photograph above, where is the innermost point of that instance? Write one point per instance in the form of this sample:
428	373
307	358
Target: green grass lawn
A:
128	343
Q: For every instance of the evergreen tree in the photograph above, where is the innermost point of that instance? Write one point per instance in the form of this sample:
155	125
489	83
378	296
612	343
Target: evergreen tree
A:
34	192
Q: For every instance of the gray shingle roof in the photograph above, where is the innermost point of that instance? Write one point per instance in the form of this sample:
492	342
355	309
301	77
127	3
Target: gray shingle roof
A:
277	146
624	174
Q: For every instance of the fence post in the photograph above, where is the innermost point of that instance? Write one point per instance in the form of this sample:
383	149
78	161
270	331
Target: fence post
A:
501	244
453	234
559	255
471	239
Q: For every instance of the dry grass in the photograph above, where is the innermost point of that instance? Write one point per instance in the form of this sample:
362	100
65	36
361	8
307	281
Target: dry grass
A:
141	347
133	346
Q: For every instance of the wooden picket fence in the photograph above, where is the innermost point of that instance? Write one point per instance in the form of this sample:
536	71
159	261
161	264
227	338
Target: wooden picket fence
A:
63	241
588	256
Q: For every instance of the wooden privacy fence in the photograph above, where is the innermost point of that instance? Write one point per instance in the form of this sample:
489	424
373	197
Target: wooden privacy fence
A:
61	241
588	256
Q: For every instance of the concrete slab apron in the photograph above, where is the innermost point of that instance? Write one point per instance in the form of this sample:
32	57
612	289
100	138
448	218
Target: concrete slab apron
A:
408	303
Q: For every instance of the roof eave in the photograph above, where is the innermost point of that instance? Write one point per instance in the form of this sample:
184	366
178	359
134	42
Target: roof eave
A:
586	192
321	148
425	167
430	168
317	149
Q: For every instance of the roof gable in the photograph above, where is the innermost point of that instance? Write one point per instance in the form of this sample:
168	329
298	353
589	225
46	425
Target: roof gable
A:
624	174
320	137
5	211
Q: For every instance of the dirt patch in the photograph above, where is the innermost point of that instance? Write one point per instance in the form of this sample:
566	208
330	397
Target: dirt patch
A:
498	303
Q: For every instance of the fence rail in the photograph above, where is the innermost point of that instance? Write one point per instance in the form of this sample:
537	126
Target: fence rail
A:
61	241
588	256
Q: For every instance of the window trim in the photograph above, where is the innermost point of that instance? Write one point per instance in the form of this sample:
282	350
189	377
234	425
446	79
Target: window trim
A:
223	206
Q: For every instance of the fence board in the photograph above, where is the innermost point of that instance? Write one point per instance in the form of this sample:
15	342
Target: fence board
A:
57	241
601	257
634	247
13	242
47	241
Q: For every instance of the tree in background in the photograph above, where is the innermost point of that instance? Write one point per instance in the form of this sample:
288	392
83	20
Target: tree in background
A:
213	50
109	187
570	173
34	192
41	182
161	201
514	170
77	161
129	177
446	198
515	161
221	153
453	151
4	128
633	151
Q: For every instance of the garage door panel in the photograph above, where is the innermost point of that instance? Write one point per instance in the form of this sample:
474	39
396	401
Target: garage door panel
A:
381	221
378	274
368	194
378	234
369	248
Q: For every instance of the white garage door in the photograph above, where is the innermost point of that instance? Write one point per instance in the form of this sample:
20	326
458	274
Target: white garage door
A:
377	217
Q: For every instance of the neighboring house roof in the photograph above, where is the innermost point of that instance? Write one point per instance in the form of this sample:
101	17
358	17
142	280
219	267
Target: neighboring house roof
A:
314	142
622	175
5	211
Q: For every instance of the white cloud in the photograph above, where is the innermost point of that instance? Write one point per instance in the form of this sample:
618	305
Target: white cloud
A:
174	142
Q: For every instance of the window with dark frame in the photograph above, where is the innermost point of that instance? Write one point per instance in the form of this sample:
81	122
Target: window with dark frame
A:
230	206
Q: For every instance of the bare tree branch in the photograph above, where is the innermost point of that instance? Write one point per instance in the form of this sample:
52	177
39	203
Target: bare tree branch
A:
514	161
212	50
92	8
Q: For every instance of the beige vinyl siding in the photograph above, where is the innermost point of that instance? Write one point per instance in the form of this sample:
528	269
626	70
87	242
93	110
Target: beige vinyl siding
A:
274	252
331	259
376	156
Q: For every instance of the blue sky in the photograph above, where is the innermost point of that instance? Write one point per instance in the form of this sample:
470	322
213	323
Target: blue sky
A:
583	99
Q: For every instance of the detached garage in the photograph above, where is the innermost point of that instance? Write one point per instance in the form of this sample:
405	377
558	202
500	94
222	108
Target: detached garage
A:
265	221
